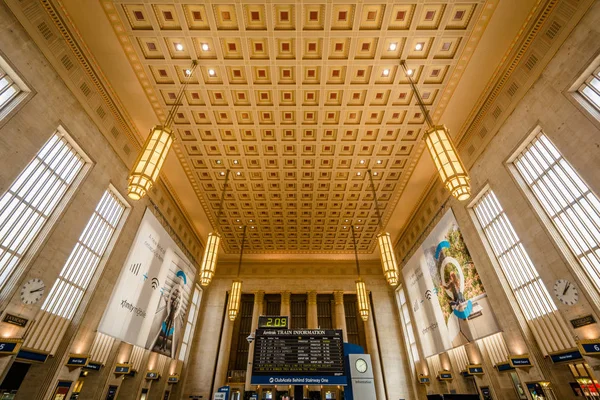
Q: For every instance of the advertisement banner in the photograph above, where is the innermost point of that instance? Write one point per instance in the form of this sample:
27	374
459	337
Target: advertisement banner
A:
445	292
151	297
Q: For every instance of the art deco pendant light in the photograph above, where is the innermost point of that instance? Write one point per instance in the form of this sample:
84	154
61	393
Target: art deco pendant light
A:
361	289
442	151
233	307
211	252
388	258
155	150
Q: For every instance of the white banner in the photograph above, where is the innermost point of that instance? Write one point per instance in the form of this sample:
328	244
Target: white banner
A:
445	292
151	297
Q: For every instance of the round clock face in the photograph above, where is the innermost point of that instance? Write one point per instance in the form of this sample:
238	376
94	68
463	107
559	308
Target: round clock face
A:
361	365
566	292
32	291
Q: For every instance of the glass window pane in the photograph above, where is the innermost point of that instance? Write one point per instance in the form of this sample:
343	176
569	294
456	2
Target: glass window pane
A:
31	200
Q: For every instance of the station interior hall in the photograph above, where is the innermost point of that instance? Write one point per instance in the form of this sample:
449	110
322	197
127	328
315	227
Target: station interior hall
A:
299	199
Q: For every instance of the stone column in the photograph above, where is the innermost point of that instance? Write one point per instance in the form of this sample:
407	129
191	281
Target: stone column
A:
371	338
224	349
312	319
340	313
285	304
259	297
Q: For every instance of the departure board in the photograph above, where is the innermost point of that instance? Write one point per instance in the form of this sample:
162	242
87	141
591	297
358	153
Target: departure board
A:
305	356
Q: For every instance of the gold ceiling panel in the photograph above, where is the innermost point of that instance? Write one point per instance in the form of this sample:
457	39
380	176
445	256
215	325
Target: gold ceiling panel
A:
299	101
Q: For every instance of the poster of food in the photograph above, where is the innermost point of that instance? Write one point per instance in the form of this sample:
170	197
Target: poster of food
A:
150	299
445	291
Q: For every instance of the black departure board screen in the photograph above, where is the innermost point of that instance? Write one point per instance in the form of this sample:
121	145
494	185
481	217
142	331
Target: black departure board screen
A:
298	356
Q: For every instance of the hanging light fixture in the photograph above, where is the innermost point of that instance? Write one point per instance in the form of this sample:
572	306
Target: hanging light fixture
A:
236	288
361	288
211	252
388	258
442	150
155	150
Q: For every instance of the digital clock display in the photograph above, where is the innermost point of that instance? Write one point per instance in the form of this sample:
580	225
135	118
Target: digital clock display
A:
278	322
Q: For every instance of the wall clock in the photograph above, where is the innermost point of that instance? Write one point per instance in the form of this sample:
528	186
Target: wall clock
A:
32	291
566	292
361	365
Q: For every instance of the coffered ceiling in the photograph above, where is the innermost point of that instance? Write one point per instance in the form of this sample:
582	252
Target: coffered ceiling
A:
298	100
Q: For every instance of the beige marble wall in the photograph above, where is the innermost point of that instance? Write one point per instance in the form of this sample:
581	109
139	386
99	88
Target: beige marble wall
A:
549	104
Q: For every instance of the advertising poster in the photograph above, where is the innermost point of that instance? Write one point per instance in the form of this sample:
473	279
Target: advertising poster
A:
443	286
149	302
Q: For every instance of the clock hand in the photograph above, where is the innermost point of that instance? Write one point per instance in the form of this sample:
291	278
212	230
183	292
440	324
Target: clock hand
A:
37	290
566	288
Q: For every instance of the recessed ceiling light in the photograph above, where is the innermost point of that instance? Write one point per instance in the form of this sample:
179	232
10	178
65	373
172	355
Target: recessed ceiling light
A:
238	173
205	46
362	161
379	161
345	227
212	72
358	174
386	72
375	173
188	72
347	220
360	220
393	46
419	47
251	220
235	161
222	173
240	227
251	227
218	161
178	47
237	220
409	72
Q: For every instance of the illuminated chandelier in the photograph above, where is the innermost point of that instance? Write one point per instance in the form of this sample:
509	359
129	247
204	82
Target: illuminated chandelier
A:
388	258
233	306
443	152
152	156
361	289
211	252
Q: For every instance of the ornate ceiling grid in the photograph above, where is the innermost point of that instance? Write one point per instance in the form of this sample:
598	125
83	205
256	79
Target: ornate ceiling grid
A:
304	99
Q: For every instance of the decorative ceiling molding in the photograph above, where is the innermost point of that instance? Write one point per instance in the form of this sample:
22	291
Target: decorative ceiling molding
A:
545	30
53	35
151	35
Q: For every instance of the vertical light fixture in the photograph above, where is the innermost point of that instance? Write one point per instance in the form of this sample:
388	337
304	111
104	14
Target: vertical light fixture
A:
361	288
155	150
236	288
388	258
211	252
443	152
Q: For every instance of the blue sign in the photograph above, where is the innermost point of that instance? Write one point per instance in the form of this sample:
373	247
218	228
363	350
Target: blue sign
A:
152	375
475	370
32	356
223	393
77	361
445	376
566	356
122	369
423	379
522	361
591	348
503	367
8	347
299	380
94	366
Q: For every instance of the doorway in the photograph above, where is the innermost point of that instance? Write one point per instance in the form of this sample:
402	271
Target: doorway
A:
13	379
